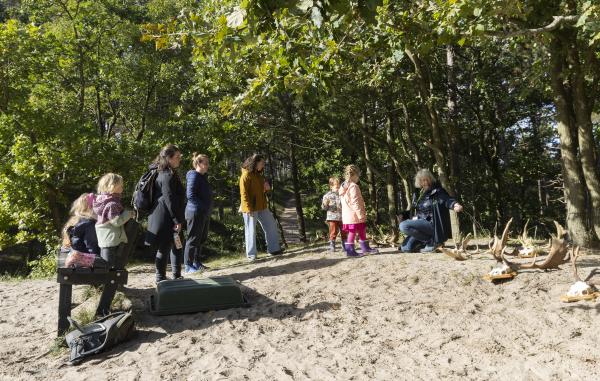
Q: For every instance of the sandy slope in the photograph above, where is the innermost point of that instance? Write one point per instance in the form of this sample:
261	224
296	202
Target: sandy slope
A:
324	317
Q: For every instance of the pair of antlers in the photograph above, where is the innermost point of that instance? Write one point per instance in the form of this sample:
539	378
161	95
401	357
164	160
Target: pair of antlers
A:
558	254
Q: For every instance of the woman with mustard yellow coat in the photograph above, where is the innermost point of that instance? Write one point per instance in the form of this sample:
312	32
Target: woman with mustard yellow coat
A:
254	207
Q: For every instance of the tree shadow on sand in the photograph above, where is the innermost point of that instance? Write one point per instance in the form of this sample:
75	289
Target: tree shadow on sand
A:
288	268
260	307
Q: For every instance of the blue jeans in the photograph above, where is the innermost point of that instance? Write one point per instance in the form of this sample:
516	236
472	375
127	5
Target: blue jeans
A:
421	230
269	226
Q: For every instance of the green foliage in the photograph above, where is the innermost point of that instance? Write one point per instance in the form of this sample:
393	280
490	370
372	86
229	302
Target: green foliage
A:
44	267
90	87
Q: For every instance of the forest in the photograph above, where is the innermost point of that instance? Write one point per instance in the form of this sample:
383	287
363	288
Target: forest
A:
498	98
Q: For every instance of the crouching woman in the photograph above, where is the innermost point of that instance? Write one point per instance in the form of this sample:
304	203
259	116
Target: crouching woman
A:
430	227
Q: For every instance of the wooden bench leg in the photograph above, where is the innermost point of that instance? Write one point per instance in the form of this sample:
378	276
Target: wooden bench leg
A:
64	308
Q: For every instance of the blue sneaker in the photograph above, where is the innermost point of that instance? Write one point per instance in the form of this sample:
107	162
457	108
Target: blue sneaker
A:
190	269
200	267
430	248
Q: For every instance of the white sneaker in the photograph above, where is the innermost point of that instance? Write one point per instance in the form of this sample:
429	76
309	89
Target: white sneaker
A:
251	259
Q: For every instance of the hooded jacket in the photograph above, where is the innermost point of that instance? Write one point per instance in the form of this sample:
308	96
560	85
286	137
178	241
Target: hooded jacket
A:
83	236
111	218
353	205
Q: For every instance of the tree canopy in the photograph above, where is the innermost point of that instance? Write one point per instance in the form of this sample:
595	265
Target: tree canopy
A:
497	97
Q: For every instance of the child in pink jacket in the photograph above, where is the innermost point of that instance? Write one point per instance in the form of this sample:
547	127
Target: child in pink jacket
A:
354	216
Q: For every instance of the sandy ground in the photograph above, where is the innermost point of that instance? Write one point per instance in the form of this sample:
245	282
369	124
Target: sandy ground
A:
324	317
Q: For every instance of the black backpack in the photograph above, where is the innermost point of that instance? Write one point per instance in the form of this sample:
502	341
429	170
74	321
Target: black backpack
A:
143	195
99	335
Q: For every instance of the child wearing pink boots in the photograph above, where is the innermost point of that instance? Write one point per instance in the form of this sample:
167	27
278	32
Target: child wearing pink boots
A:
354	216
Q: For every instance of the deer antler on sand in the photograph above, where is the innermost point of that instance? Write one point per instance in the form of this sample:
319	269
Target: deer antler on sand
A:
460	252
504	270
558	255
581	289
499	245
528	248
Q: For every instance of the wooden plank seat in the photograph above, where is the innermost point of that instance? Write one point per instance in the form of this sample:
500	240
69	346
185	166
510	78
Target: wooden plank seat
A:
67	277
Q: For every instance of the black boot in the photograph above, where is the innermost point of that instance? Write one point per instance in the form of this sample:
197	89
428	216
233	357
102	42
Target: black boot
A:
161	268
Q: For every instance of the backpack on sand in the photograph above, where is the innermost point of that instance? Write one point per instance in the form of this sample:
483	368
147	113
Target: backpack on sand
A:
99	335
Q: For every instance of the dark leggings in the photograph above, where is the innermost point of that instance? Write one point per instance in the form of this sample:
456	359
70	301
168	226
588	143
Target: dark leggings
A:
197	231
116	257
163	249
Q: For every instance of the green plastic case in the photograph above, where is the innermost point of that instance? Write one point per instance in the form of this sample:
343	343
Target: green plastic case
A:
181	296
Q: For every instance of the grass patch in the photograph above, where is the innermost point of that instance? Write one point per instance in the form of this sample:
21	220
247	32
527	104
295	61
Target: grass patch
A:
85	316
7	277
90	292
59	347
224	259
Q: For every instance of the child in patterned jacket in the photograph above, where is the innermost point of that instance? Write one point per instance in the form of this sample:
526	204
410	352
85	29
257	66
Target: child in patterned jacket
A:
333	205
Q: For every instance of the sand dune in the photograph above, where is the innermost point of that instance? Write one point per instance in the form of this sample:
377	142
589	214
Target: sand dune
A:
319	316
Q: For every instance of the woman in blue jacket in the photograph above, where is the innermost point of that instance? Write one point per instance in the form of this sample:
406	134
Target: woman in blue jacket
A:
197	212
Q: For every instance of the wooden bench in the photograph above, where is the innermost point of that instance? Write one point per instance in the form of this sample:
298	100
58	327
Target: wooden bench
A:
67	277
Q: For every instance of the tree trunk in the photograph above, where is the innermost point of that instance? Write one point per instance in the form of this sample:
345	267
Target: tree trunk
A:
416	157
52	198
572	172
392	203
453	134
391	180
436	144
286	101
407	193
150	90
453	140
297	196
585	134
372	197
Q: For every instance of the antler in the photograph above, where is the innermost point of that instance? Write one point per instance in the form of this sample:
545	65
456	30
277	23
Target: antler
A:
499	244
558	255
464	242
560	231
460	249
524	236
574	263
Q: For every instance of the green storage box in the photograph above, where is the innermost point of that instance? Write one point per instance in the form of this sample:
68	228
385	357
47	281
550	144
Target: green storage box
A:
196	295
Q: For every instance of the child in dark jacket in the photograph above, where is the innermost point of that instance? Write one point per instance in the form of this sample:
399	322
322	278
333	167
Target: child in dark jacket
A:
79	235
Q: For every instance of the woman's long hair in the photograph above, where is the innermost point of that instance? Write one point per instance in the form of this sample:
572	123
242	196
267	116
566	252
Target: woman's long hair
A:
81	208
167	152
251	162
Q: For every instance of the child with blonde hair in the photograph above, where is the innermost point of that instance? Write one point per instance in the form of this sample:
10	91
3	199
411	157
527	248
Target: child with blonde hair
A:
116	230
79	234
354	215
333	205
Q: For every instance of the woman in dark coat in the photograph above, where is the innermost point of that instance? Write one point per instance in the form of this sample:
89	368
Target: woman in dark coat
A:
165	221
431	224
